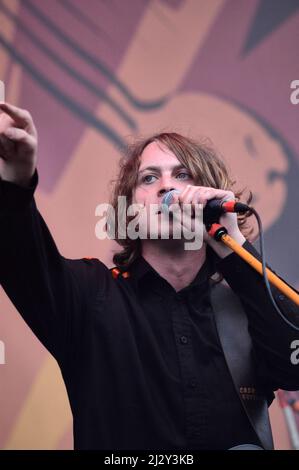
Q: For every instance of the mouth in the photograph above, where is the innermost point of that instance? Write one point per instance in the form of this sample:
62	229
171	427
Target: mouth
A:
167	216
163	209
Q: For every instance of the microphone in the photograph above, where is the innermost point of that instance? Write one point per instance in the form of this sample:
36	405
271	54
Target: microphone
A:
214	207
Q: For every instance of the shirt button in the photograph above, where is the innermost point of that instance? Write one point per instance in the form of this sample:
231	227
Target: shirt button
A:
184	339
192	383
281	297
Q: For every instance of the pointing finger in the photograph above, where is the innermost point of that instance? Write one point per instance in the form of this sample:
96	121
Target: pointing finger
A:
21	116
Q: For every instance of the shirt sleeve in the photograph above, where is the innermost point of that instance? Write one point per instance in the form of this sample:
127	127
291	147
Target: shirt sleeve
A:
49	291
272	337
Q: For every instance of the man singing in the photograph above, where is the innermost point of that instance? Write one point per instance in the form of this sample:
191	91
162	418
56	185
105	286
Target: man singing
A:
173	348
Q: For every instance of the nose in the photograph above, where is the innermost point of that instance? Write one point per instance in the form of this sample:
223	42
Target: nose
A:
164	190
165	184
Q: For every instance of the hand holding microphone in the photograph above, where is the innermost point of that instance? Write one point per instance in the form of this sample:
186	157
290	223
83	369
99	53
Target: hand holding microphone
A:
217	203
213	209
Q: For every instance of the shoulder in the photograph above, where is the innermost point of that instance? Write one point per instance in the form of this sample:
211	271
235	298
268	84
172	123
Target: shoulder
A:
88	273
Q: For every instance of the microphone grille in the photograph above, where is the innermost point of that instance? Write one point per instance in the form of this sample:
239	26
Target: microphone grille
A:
168	198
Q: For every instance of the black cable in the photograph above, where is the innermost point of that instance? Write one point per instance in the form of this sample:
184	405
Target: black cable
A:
265	275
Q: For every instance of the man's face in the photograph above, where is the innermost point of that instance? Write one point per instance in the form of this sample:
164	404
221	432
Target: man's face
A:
159	172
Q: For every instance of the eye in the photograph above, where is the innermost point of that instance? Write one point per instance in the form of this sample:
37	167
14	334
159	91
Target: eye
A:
147	179
183	176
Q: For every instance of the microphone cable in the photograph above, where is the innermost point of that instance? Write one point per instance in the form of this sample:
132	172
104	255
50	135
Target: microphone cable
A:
265	275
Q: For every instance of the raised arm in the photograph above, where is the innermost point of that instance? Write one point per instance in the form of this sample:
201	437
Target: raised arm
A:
49	291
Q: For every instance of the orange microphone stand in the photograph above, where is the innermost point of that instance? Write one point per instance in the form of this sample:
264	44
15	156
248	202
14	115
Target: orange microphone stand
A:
219	233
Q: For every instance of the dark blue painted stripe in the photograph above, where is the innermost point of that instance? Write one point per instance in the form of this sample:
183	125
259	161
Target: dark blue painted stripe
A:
83	18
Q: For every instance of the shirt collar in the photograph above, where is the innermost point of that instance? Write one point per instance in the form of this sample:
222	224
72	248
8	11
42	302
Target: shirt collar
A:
140	270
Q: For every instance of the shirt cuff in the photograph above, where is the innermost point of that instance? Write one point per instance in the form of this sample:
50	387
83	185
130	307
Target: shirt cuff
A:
15	198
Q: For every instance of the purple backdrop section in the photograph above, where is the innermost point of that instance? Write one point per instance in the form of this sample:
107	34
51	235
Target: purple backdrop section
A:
260	80
59	129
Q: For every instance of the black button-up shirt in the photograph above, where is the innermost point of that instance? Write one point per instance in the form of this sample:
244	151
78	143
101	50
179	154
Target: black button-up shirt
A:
207	412
142	363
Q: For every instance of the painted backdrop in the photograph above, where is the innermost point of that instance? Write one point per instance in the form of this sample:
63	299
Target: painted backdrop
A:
96	73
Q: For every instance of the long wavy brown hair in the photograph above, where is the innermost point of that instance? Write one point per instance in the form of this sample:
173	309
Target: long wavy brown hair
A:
199	157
